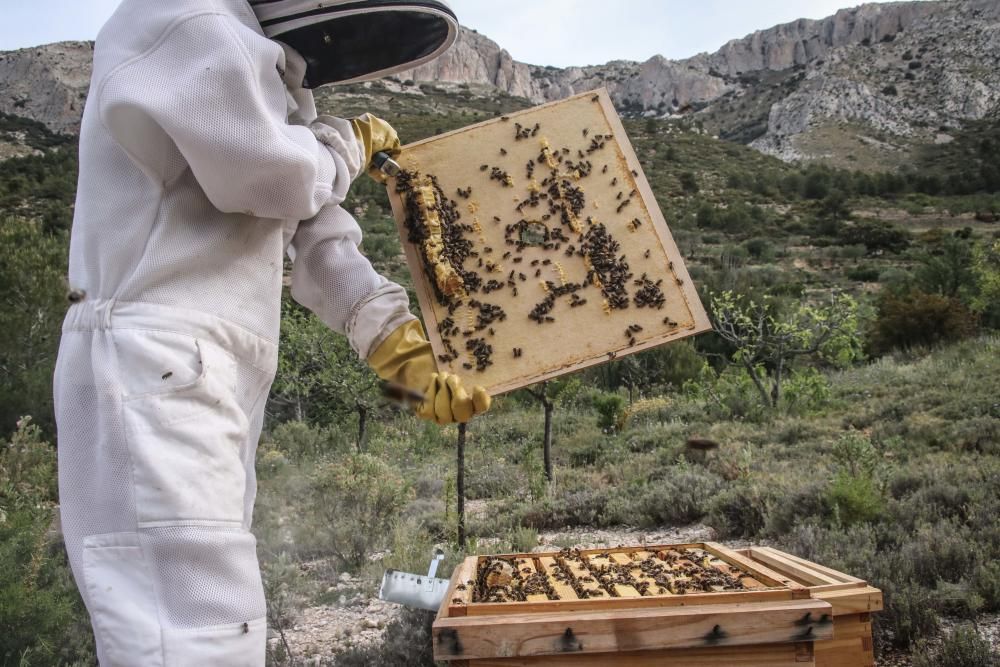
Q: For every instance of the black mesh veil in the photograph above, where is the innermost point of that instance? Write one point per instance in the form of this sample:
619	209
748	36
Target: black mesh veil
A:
352	41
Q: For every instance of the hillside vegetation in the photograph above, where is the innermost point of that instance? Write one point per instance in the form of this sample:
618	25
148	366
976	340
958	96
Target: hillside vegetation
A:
879	454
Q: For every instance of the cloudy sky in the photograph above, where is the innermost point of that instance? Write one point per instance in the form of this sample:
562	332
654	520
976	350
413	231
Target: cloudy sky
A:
540	32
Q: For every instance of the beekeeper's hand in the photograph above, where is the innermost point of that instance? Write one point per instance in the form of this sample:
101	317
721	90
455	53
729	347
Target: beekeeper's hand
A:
405	357
375	135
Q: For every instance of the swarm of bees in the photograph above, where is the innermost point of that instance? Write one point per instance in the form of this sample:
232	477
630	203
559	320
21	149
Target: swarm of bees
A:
549	218
672	571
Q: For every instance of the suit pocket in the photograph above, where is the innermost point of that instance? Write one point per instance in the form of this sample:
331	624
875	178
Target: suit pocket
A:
186	438
121	601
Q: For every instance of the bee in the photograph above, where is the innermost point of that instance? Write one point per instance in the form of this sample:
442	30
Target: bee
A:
246	628
167	375
604	170
504	118
484	167
513	291
595	98
614	181
585	131
646	254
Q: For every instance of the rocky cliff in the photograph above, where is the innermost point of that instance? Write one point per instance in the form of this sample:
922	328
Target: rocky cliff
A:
47	83
877	77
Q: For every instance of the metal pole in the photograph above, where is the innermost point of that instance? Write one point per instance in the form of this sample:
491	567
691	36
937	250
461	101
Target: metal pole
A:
460	484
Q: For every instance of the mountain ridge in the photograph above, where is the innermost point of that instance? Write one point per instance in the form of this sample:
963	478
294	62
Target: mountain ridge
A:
877	78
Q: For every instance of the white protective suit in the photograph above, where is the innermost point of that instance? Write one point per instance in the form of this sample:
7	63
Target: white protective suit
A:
191	187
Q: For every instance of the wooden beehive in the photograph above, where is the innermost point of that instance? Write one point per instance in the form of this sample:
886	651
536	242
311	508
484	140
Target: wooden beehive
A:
852	599
544	217
785	611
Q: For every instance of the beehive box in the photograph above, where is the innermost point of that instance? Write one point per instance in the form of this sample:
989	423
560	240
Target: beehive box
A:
852	599
537	247
688	604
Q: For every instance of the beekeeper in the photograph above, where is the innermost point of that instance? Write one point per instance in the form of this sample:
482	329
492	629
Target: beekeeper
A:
201	161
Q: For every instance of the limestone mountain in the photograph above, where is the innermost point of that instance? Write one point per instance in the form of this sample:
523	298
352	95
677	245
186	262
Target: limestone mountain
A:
860	88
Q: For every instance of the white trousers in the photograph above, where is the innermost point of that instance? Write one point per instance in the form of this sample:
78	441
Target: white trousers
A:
158	412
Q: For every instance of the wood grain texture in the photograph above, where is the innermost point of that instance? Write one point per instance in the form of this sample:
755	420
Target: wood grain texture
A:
472	638
581	336
769	655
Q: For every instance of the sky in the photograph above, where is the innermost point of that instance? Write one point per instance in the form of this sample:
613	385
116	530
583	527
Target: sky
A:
539	32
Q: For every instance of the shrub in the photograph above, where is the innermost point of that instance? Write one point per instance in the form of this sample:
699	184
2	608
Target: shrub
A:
986	582
609	410
877	237
963	648
854	499
863	274
909	615
740	511
407	642
808	503
760	249
646	411
680	497
917	319
43	617
356	497
689	182
579	508
298	440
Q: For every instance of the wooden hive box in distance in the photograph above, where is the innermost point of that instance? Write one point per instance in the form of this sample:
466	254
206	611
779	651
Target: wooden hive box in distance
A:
797	615
545	216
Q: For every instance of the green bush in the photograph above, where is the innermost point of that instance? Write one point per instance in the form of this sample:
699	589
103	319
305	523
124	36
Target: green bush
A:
877	237
301	441
910	614
43	617
962	648
916	319
356	498
854	499
680	496
609	409
585	507
760	249
863	274
740	511
986	583
407	642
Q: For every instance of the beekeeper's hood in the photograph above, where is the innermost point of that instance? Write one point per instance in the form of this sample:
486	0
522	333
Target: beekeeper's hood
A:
351	40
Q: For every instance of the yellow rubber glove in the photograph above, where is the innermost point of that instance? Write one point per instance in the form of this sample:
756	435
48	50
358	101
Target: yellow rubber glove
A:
405	357
374	135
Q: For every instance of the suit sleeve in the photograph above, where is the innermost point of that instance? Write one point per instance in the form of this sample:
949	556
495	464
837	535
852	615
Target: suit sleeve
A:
209	96
333	279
